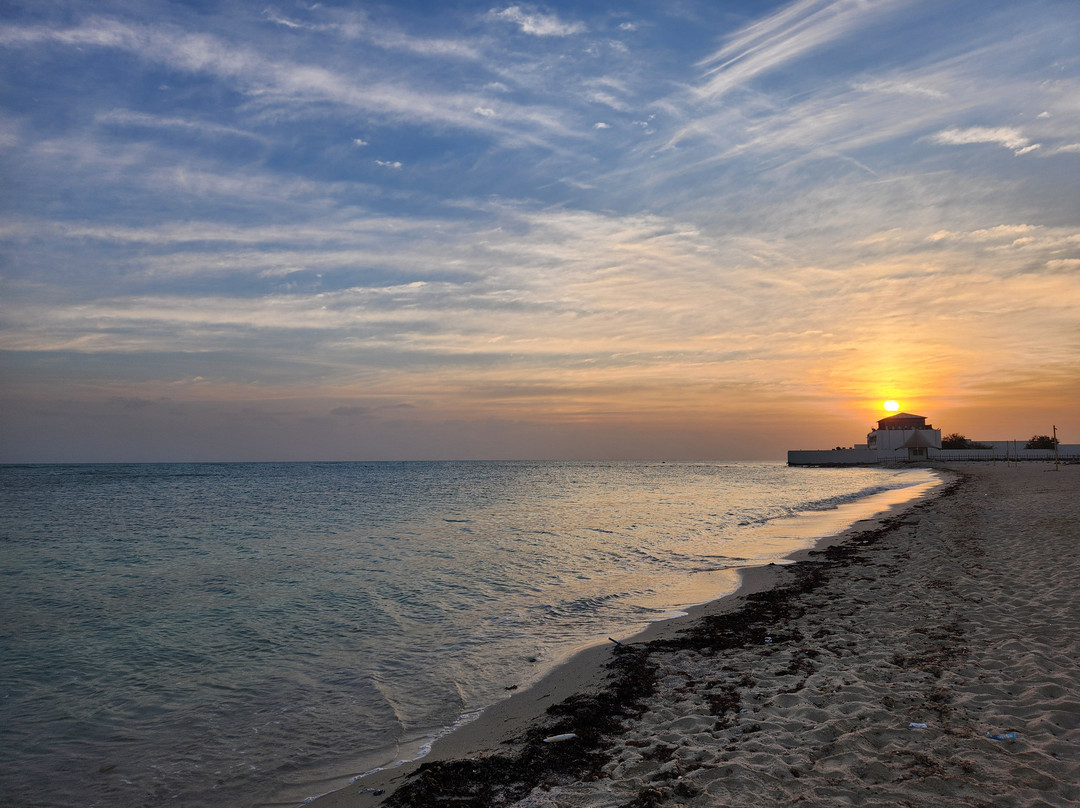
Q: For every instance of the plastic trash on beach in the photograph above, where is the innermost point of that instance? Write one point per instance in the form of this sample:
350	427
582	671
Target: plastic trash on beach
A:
917	725
1004	736
564	737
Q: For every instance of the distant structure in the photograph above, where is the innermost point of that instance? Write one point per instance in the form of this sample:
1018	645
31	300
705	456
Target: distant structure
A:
907	438
899	437
903	437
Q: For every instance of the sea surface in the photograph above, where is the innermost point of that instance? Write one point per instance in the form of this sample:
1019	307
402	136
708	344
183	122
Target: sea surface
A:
254	634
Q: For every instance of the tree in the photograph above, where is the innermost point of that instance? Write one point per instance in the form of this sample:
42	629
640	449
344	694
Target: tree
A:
955	441
1041	442
958	441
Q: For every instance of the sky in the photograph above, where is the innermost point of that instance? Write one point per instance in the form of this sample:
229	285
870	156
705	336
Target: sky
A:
691	230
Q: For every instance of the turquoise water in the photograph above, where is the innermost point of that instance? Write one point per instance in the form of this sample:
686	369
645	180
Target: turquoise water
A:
227	635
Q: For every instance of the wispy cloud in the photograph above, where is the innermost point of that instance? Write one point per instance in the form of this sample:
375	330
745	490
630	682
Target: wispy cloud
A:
99	32
788	34
358	26
901	87
120	117
538	24
1006	136
279	82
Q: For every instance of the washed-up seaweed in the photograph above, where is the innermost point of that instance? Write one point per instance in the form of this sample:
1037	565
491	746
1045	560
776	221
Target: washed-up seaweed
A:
595	719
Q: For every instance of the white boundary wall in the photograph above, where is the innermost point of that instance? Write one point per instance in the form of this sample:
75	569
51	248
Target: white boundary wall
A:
1000	450
1007	450
832	457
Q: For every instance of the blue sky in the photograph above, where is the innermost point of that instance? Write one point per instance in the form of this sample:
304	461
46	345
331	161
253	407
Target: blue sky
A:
240	231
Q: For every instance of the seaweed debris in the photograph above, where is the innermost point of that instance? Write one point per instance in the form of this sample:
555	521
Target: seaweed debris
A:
596	718
505	777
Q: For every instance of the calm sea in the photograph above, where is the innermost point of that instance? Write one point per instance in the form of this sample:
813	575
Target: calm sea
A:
250	634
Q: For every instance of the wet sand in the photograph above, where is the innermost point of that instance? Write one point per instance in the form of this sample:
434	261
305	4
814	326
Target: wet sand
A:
812	684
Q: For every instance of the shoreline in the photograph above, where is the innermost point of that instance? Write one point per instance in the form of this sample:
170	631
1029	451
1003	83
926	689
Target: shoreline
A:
500	726
929	659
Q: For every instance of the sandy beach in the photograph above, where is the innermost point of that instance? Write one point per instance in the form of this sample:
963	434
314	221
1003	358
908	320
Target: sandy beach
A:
927	657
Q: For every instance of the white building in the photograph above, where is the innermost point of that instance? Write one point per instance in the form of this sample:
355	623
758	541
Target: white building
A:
903	437
899	437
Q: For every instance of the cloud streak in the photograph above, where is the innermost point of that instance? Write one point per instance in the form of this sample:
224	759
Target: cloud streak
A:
284	83
538	24
1008	137
789	34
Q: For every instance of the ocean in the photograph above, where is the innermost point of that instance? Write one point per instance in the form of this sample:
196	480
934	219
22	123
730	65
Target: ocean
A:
255	634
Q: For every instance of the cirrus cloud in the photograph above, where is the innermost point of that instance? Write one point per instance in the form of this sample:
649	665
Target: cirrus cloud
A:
1006	136
537	24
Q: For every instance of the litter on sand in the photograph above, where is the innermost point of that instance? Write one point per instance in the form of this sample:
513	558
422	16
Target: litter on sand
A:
1005	736
556	738
917	725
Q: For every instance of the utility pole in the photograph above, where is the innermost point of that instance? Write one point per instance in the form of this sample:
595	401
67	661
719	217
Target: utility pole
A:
1055	449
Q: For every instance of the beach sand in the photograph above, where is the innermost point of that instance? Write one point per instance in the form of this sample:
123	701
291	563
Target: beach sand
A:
928	657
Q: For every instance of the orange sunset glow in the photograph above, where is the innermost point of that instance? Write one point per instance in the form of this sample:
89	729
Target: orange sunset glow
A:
711	242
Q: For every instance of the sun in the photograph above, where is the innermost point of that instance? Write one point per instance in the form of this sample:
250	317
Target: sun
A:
891	405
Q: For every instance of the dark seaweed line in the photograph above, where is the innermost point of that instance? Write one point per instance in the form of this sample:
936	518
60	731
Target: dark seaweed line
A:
597	718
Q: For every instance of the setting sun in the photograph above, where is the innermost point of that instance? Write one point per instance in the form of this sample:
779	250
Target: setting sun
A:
891	406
